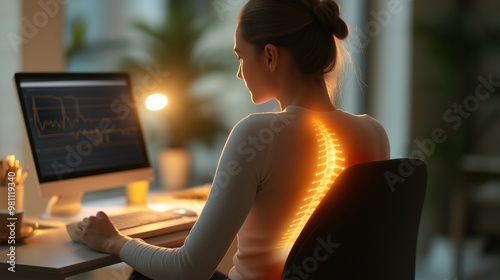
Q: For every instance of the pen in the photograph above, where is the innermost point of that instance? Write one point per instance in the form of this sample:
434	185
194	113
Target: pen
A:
19	171
12	171
23	178
1	172
10	159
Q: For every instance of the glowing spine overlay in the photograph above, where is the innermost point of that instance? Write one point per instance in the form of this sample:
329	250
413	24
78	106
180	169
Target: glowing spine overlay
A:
330	164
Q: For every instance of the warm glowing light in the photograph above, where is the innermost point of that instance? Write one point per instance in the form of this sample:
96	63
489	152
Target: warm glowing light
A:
330	164
156	102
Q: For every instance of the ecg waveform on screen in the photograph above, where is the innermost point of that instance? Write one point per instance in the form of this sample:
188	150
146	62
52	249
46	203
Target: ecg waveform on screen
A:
57	116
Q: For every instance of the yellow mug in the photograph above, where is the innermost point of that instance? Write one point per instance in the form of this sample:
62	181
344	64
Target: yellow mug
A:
137	192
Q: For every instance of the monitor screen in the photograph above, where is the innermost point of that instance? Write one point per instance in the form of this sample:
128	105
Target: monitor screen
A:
82	126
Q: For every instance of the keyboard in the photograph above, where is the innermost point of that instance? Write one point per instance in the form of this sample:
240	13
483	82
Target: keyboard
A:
144	217
147	223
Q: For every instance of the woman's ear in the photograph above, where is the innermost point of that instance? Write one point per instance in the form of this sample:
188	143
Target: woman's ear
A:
272	57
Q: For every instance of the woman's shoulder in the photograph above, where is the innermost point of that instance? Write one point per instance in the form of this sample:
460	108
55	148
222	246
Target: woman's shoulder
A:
362	118
273	121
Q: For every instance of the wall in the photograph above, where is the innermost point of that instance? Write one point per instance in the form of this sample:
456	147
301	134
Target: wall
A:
38	29
10	125
388	30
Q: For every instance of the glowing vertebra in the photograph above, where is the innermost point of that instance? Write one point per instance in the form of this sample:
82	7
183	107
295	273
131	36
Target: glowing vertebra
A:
330	164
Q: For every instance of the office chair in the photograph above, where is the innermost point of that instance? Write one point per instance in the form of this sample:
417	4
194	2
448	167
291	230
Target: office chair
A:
365	227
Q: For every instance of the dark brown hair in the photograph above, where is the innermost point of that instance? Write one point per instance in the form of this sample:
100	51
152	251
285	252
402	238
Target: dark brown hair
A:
309	29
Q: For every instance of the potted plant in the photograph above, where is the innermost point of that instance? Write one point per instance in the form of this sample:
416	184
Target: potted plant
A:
188	117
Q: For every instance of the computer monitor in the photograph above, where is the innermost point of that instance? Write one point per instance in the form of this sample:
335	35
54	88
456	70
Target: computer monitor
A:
85	135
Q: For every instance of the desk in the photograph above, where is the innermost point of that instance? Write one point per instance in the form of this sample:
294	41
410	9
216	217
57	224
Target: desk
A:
477	170
50	254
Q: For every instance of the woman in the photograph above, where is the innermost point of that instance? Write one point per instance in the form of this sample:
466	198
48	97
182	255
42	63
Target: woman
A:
275	167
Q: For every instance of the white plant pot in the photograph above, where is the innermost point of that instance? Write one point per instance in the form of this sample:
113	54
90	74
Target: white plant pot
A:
174	166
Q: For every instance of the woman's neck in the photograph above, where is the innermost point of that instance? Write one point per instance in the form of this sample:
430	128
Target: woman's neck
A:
311	94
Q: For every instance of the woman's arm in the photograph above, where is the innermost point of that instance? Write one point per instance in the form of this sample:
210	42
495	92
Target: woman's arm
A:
231	197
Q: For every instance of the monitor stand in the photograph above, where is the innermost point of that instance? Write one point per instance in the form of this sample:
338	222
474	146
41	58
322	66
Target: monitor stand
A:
64	206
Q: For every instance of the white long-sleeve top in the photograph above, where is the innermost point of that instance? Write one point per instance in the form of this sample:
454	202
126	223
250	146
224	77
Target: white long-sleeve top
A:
265	174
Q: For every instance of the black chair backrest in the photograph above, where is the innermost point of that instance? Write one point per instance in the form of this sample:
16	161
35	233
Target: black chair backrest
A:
365	227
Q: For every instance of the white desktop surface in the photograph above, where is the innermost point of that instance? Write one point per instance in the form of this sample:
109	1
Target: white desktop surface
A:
50	254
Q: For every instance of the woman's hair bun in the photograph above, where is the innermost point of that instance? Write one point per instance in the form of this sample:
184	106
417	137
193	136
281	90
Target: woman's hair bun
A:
327	12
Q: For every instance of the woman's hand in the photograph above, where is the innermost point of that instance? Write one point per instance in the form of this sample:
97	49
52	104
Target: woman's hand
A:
99	233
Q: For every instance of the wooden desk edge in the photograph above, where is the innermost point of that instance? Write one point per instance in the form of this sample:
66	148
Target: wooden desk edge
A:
23	271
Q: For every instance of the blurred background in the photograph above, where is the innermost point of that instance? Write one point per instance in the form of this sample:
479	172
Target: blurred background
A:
428	70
